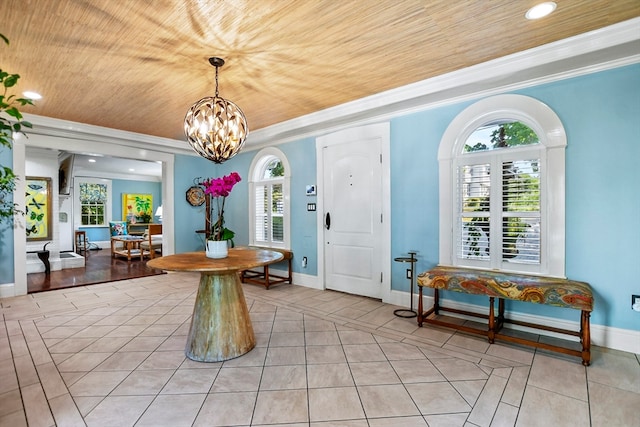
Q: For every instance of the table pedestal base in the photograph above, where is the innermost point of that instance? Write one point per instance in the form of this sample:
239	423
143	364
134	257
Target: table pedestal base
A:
220	326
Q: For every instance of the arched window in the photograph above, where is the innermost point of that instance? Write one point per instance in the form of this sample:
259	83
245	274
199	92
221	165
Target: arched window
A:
502	187
269	193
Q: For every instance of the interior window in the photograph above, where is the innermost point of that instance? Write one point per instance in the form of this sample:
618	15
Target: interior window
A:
93	202
269	193
502	168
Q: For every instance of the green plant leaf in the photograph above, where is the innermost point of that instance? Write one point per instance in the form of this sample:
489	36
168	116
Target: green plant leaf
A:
11	80
13	112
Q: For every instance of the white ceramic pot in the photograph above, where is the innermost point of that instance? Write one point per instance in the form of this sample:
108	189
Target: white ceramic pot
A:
217	249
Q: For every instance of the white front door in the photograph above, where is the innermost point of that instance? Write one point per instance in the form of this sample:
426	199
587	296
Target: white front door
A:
353	214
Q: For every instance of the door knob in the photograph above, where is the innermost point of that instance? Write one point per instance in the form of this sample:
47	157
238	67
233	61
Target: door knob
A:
327	221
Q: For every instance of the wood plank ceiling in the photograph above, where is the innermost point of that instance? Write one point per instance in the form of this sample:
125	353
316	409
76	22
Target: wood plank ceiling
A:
138	65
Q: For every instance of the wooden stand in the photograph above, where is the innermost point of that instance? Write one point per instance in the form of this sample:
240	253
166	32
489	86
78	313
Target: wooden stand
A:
220	327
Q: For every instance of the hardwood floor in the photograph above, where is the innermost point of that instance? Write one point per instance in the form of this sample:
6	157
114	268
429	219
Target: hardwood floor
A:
99	268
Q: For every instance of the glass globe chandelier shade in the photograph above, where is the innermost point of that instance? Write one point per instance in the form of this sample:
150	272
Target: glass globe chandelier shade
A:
216	128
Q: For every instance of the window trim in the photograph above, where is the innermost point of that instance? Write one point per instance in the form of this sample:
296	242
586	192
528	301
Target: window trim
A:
260	160
542	120
78	206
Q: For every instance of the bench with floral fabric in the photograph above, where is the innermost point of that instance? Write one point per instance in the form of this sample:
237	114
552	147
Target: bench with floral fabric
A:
518	287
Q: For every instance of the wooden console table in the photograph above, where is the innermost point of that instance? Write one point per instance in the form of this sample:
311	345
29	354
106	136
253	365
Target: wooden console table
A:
220	326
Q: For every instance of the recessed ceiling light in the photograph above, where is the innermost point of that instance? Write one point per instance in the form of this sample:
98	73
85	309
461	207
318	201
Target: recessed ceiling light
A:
32	95
540	10
91	160
131	170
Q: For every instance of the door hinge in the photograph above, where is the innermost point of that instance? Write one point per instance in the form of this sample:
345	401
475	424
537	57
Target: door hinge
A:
381	277
381	218
380	158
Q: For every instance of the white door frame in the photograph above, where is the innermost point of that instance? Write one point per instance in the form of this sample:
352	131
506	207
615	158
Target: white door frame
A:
79	145
383	129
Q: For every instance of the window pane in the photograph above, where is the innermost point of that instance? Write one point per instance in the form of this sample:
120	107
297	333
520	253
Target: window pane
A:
500	135
475	187
277	223
261	213
521	186
521	240
521	211
474	184
474	242
277	204
273	169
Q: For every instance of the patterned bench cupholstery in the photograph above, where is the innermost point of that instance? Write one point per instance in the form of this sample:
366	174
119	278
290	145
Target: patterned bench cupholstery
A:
552	291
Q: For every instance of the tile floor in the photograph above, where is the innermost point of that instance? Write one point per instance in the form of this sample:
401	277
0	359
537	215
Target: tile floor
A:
113	355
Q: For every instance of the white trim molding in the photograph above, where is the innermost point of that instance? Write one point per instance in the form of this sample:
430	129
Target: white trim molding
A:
547	125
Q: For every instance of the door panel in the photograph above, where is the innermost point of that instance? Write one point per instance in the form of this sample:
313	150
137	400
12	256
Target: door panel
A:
352	198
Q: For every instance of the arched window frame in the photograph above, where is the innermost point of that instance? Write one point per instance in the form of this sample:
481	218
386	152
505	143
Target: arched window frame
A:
546	124
256	177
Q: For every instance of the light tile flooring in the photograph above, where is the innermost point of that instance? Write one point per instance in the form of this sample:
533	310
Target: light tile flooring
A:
113	355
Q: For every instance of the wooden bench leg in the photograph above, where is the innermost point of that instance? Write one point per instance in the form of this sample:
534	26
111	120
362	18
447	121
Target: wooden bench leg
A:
491	333
420	306
500	322
266	277
585	337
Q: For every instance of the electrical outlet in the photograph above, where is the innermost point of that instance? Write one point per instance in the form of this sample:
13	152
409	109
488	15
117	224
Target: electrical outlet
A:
408	273
304	262
635	302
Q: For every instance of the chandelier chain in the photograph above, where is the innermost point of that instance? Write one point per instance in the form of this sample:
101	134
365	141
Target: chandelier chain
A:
216	81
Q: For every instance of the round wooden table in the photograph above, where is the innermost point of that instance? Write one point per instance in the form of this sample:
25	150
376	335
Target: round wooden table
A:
220	326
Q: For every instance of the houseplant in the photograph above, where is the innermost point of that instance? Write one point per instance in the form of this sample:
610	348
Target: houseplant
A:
217	189
10	122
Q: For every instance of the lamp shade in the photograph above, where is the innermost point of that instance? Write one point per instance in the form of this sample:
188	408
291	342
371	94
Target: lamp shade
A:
159	212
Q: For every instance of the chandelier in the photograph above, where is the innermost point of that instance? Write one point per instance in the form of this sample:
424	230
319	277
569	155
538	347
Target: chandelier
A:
215	127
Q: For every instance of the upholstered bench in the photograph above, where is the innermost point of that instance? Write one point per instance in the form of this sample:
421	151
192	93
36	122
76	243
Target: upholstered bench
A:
518	287
263	276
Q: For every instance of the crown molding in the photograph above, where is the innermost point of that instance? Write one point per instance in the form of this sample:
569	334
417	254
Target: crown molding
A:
606	48
85	132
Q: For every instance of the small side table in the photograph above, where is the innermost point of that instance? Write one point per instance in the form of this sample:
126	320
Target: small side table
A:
81	241
403	312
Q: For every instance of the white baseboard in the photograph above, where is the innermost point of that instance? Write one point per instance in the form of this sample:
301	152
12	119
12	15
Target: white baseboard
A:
7	290
604	336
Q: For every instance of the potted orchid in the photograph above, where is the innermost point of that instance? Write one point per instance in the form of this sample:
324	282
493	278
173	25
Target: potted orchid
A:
218	189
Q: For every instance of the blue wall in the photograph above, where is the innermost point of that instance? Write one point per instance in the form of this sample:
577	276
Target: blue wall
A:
118	188
302	161
600	113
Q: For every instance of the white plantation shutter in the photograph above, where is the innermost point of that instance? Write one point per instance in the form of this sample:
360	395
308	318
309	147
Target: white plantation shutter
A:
474	216
261	226
520	143
498	222
521	218
277	213
269	211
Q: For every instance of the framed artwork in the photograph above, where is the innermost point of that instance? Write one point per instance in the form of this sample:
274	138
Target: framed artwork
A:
137	208
38	208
